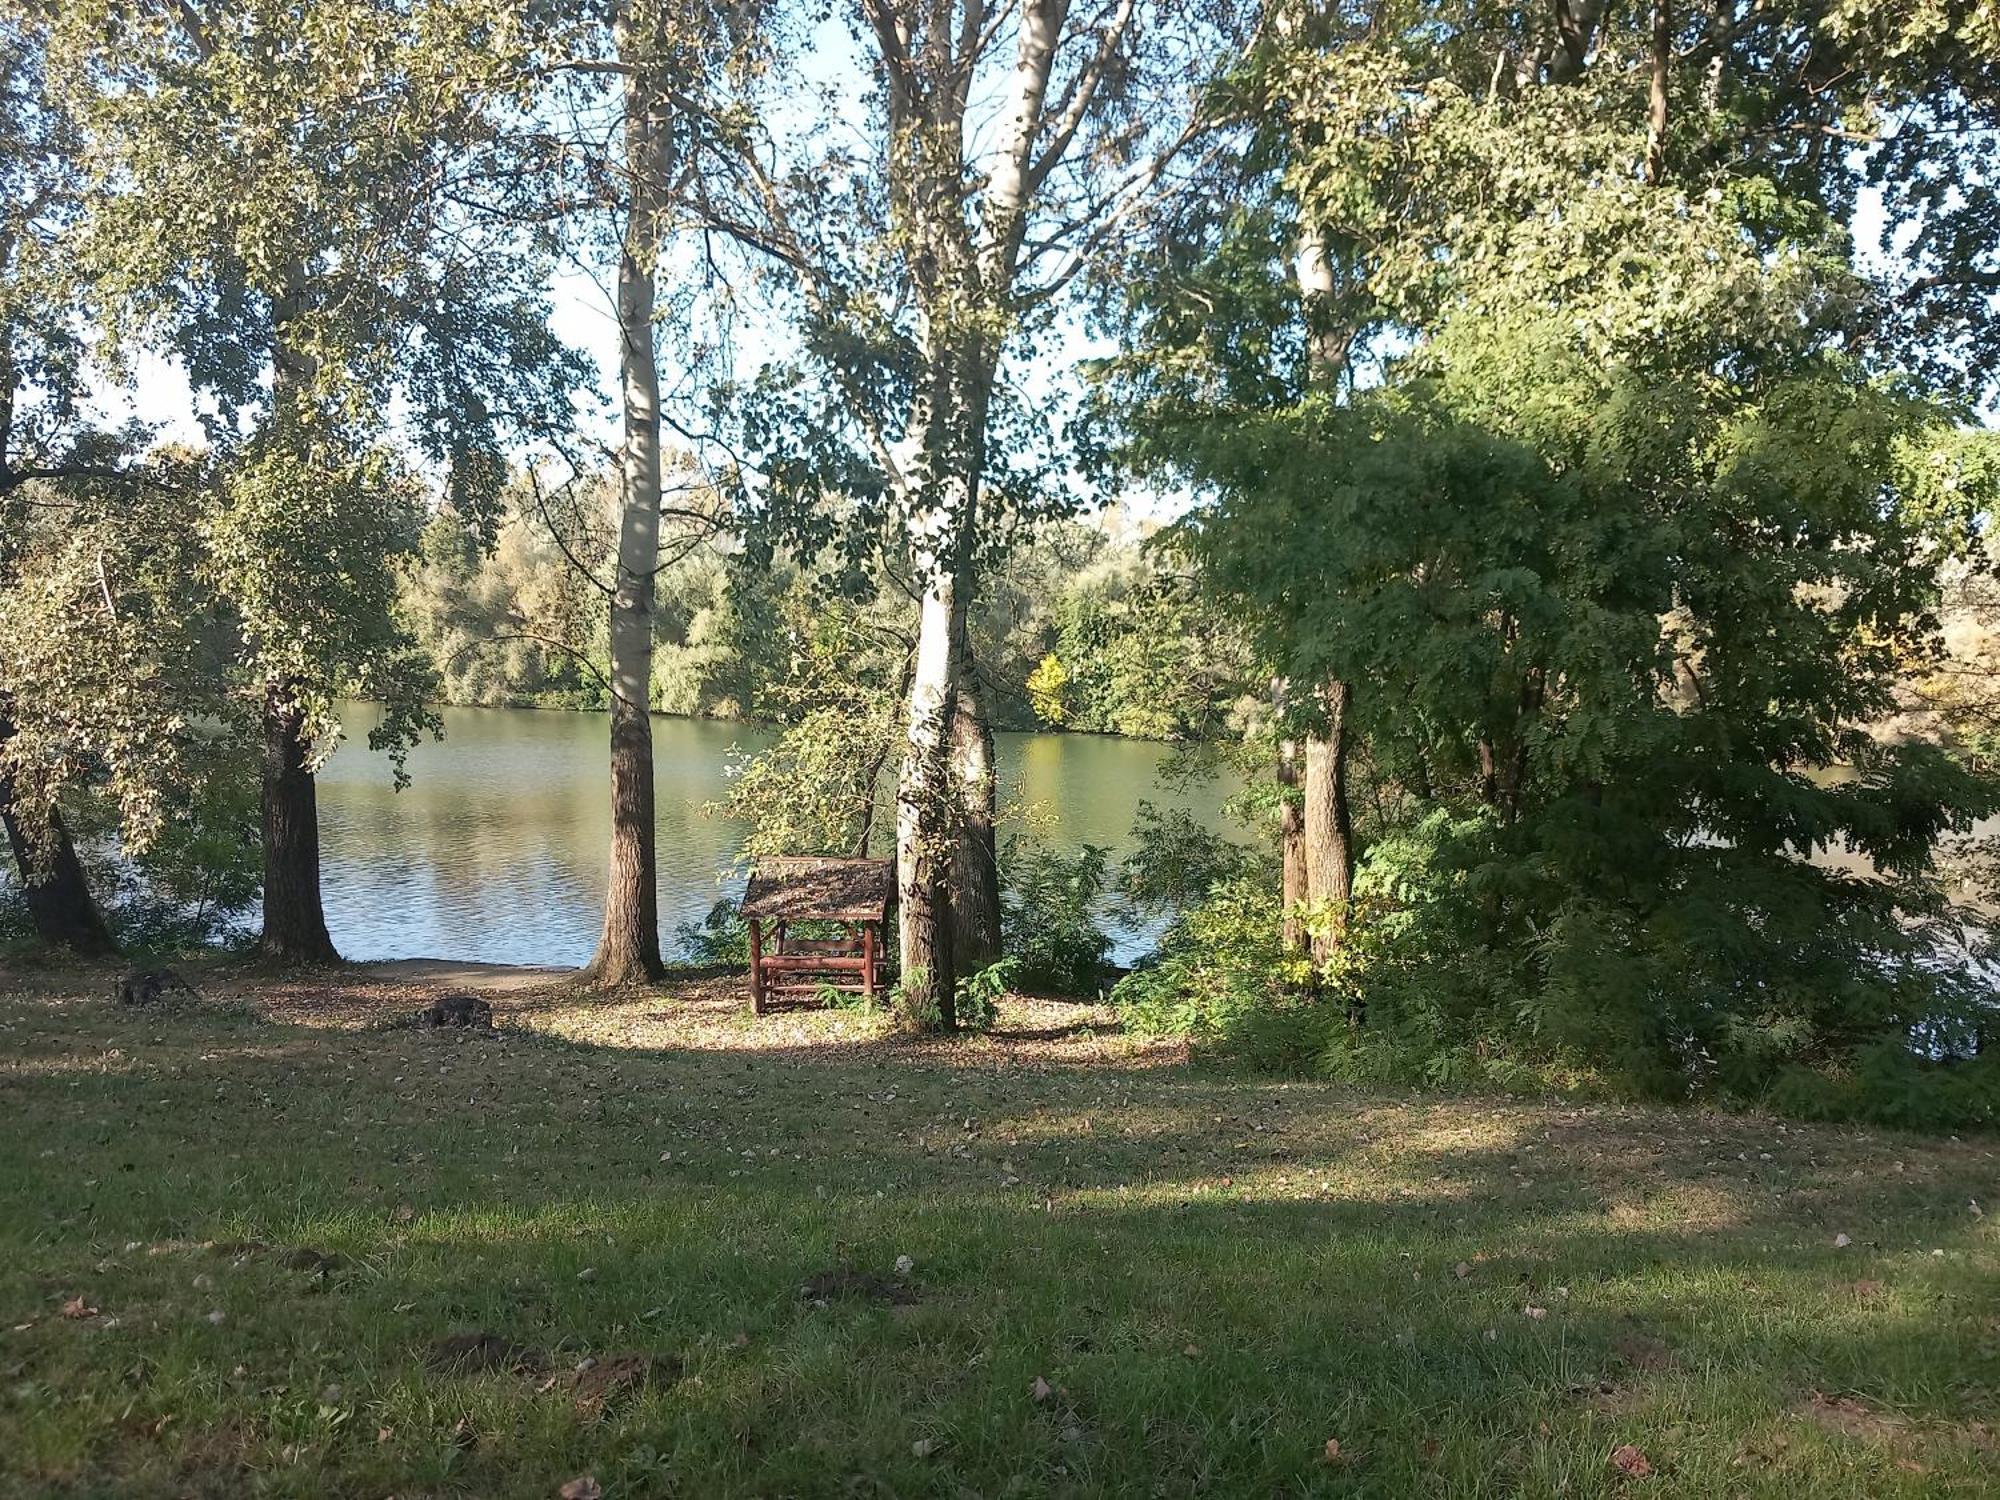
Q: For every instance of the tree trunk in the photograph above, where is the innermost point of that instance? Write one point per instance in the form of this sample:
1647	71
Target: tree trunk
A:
1656	103
53	884
1329	834
629	947
1328	825
294	919
975	882
925	842
1291	845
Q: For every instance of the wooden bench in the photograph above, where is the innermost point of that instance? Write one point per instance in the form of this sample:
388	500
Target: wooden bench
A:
853	894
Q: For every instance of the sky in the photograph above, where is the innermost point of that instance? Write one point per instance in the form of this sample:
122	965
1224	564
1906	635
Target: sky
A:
833	74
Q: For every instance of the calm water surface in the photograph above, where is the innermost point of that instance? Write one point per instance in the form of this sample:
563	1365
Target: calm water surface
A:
496	851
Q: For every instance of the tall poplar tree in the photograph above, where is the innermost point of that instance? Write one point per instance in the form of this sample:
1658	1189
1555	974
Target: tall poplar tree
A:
643	98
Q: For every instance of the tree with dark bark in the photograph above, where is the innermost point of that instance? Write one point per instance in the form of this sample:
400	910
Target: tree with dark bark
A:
40	439
345	262
53	882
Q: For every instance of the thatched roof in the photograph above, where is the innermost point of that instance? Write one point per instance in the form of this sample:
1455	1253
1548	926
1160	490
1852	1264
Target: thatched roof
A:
802	889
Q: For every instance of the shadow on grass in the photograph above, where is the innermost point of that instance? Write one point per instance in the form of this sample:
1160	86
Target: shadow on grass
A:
1125	1279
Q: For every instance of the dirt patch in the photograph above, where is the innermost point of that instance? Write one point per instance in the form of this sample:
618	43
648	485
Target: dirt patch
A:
320	1263
481	1353
599	1382
1638	1350
1616	1400
856	1286
1850	1418
693	1010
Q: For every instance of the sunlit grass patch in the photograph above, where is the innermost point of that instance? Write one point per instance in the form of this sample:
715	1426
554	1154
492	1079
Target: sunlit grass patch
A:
846	1264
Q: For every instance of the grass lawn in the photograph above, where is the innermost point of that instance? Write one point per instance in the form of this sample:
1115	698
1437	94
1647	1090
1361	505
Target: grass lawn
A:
273	1243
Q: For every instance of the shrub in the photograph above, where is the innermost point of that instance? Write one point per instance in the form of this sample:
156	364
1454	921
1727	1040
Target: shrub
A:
1222	979
975	1001
721	938
978	1000
1175	862
1048	917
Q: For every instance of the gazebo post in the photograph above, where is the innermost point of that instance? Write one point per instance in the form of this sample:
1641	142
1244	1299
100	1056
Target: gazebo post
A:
868	961
756	967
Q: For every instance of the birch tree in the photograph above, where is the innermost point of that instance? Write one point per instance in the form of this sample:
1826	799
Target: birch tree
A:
1003	147
643	96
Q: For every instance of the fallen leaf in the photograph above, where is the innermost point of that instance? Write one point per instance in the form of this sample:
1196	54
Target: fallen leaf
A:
404	1213
924	1447
904	1265
1631	1462
583	1487
76	1307
1332	1453
1461	1270
1041	1390
1537	1313
1841	1242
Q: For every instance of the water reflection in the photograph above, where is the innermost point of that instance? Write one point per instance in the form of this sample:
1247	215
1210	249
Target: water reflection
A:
496	851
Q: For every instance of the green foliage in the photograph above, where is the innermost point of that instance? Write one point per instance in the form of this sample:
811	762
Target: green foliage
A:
197	883
1615	713
322	261
508	626
302	547
113	646
1222	979
977	1005
519	625
722	938
1888	1083
1632	533
1048	917
822	788
1135	650
1175	862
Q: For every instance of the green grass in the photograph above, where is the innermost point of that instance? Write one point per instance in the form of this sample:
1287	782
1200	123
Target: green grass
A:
1210	1276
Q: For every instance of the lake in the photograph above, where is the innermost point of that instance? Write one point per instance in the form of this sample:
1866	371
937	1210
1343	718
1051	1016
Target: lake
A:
496	851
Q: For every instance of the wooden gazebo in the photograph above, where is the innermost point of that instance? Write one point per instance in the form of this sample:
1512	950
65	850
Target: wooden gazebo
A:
853	893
